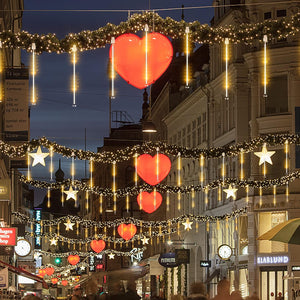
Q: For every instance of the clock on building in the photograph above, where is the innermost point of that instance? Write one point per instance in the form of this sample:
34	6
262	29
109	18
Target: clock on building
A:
23	247
225	252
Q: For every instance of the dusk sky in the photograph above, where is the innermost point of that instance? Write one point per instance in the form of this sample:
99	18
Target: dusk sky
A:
54	116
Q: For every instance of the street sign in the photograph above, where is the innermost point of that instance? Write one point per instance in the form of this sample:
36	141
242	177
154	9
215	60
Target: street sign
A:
182	256
205	263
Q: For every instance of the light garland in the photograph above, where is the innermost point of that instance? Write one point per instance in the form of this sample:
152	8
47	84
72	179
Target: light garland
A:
145	224
129	152
199	33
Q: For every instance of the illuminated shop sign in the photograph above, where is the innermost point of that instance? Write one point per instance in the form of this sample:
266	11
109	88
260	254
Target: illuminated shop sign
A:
270	260
38	214
205	263
295	268
8	236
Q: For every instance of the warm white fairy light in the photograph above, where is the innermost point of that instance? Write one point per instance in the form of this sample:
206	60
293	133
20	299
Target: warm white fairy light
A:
73	168
187	30
62	196
247	193
206	198
74	84
114	187
193	199
157	164
274	194
201	169
28	165
51	169
127	202
33	72
101	203
287	165
223	169
265	40
48	198
146	54
1	72
260	196
179	201
91	173
141	199
226	68
179	169
168	201
242	165
135	167
87	201
112	75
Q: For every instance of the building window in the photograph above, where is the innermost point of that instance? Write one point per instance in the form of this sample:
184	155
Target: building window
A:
277	100
268	220
267	15
281	13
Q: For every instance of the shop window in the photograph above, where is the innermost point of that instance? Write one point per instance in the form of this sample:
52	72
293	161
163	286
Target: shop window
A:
267	15
277	100
268	220
281	13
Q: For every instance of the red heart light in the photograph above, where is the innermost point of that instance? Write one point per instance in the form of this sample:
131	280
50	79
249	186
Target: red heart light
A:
127	231
149	202
49	271
42	272
73	259
97	245
130	57
54	280
153	169
64	282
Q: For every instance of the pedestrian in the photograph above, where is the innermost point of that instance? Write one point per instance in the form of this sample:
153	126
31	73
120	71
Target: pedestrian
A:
223	290
197	291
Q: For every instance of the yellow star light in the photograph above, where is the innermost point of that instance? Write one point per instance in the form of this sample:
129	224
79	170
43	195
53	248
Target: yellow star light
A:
187	225
38	157
230	192
145	240
71	194
264	155
111	255
53	241
69	225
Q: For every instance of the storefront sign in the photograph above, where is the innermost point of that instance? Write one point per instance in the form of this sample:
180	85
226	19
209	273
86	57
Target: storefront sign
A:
205	263
270	260
8	236
295	268
168	260
182	256
38	214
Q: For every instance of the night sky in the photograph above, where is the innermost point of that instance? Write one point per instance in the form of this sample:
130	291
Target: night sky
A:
54	116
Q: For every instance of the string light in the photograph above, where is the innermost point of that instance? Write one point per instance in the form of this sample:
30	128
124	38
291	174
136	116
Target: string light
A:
48	198
101	203
135	172
73	168
242	165
91	173
28	165
114	187
226	68
62	196
265	40
74	83
112	96
287	165
168	201
187	30
33	72
1	72
274	195
146	54
51	169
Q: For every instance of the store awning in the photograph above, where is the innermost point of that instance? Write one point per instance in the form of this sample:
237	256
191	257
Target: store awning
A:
24	273
215	273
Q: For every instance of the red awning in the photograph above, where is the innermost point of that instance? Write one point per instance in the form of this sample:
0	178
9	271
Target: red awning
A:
23	272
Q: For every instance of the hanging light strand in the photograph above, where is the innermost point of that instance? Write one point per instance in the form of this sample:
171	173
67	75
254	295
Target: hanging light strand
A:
146	54
1	72
91	172
112	95
242	160
33	72
187	30
114	186
265	40
226	68
74	83
287	166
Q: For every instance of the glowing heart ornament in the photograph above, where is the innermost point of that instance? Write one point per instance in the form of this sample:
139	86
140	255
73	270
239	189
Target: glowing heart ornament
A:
153	169
149	202
127	231
73	259
130	57
97	245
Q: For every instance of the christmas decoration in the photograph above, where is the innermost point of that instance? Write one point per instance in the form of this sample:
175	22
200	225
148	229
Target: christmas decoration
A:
230	192
145	240
129	57
49	271
149	202
71	194
42	272
53	241
153	169
64	282
127	231
265	155
54	280
38	157
97	245
111	256
187	224
73	259
69	225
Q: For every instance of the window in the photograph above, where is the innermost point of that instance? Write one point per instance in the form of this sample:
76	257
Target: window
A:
277	100
267	15
281	13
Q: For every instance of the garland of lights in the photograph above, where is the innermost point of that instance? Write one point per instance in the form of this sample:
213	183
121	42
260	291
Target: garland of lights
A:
65	268
145	224
135	190
198	33
88	254
149	147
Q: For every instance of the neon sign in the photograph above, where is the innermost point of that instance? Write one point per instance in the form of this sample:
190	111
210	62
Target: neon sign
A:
268	260
38	214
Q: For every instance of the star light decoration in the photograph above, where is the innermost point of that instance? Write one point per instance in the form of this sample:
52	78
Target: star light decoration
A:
38	157
71	194
230	192
111	255
265	155
69	225
53	241
145	240
187	224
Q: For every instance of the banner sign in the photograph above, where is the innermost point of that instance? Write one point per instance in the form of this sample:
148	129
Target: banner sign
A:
38	213
8	236
182	256
205	263
168	260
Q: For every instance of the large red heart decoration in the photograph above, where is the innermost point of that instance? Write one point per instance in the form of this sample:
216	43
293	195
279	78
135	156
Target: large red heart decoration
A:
149	202
127	231
97	245
49	271
153	169
64	282
130	57
73	259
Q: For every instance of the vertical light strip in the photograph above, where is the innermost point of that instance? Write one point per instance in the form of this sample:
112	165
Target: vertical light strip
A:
87	201
127	202
260	196
242	164
201	170
146	54
193	199
187	30
28	165
168	200
179	170
154	200
74	85
91	173
135	167
62	198
179	201
141	199
265	40
247	193
157	164
73	168
101	204
33	71
114	173
112	95
223	170
226	68
274	195
51	163
287	166
48	198
1	72
206	197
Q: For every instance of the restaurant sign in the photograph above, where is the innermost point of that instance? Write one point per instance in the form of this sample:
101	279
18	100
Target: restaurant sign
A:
8	236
